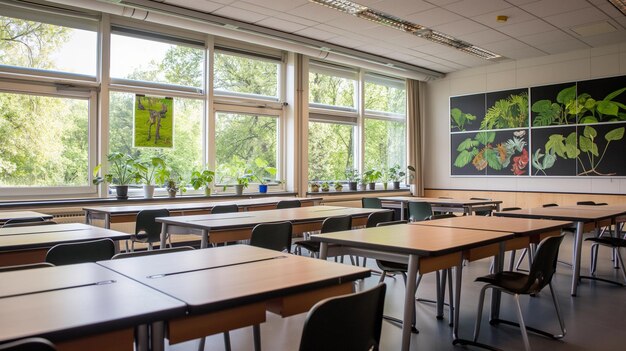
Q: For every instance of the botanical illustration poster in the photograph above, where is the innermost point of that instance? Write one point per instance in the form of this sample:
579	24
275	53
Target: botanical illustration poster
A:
154	121
566	129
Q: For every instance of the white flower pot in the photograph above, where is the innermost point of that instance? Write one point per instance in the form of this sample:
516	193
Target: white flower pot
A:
148	191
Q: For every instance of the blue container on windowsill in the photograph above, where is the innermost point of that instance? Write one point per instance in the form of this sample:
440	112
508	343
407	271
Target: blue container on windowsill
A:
263	188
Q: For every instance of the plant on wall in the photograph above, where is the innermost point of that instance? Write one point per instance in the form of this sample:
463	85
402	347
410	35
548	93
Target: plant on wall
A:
589	147
481	153
511	112
563	111
460	119
605	110
557	145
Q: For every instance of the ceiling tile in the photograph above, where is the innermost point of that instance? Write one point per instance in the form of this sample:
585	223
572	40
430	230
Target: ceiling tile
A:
280	5
316	12
254	8
520	2
574	18
351	23
434	17
509	44
298	19
346	42
610	10
461	27
407	41
546	37
239	14
384	33
526	28
519	54
442	2
545	8
487	36
315	33
562	46
202	5
470	8
515	14
606	39
401	8
277	23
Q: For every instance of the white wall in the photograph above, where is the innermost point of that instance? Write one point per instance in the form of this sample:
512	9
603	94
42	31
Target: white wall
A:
586	64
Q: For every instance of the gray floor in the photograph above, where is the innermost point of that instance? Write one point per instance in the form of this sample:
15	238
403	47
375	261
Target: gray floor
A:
594	319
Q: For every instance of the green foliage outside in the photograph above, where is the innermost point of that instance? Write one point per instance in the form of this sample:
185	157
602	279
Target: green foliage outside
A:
245	75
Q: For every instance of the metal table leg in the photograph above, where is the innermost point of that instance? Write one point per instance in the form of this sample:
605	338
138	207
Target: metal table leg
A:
578	240
409	301
163	235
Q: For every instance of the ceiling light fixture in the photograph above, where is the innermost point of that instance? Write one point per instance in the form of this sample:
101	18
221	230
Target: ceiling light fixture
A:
394	22
620	5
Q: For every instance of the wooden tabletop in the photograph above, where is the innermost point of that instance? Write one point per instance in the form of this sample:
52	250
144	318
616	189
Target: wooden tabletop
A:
596	207
519	226
31	237
414	239
250	219
181	206
218	278
64	302
6	215
574	213
439	201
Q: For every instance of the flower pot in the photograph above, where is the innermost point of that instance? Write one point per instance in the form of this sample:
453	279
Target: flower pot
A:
339	188
121	192
362	187
396	185
372	186
171	193
325	189
413	192
148	191
207	191
352	186
263	188
385	186
315	189
238	189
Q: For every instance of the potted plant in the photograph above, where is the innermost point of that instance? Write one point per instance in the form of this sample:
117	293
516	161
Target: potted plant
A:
385	178
263	169
325	186
411	177
121	173
362	183
352	176
150	172
371	177
202	180
396	175
242	183
338	186
171	187
315	186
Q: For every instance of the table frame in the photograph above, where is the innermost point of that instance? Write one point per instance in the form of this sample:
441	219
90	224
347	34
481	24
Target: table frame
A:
467	207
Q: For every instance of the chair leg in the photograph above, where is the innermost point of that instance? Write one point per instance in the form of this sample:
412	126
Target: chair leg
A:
479	313
227	341
382	277
521	257
256	331
522	326
512	260
201	344
621	262
594	258
450	297
557	307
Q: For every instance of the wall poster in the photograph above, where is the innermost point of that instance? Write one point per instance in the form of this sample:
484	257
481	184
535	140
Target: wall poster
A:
153	121
568	129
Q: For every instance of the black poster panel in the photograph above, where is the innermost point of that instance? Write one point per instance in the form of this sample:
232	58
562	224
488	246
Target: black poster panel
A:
467	160
466	112
548	104
553	151
602	150
506	109
511	150
602	100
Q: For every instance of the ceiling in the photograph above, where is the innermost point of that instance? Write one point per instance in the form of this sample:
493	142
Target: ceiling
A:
534	27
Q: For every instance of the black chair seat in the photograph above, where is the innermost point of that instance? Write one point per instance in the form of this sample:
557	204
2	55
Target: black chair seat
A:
313	246
609	241
511	281
392	267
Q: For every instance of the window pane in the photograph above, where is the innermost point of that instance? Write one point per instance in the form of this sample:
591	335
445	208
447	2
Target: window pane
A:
44	141
245	75
331	90
185	156
241	139
331	150
154	61
385	98
384	144
46	46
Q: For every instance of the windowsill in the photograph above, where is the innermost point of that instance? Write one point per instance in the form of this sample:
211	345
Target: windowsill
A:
353	192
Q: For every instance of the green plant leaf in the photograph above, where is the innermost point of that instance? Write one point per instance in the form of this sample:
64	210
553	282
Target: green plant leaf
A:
588	120
585	144
590	103
556	144
615	134
548	161
485	137
492	159
463	159
566	95
548	112
614	94
536	159
590	133
467	144
607	108
571	148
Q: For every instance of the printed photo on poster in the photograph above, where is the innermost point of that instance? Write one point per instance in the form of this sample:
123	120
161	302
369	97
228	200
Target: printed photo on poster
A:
153	122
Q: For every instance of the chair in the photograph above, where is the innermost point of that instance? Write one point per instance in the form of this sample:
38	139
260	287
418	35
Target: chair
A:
29	344
484	212
25	266
288	204
419	211
151	252
348	322
442	216
273	236
516	284
147	230
378	217
224	209
613	242
26	222
371	202
80	252
330	224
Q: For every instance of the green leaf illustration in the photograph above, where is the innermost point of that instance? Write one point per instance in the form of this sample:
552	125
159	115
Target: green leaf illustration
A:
590	133
556	144
615	134
467	144
548	112
535	160
461	118
492	159
566	95
614	94
463	159
485	137
588	120
549	161
587	145
571	149
607	108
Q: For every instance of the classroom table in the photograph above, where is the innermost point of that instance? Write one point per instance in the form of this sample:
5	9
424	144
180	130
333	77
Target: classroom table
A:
6	215
29	244
228	227
231	287
425	249
584	219
128	213
79	307
468	207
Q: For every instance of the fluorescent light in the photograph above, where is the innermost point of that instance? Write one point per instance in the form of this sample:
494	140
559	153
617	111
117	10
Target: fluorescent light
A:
397	23
620	5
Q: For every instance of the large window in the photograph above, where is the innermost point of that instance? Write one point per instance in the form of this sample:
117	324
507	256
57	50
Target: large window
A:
331	150
332	87
242	142
255	76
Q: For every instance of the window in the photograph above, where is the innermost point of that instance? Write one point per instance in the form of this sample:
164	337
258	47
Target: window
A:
254	76
385	95
240	140
332	87
331	150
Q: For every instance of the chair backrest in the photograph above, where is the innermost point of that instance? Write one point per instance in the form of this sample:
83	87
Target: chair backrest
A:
544	264
151	252
145	223
288	204
22	267
348	322
29	344
86	251
378	217
550	205
384	224
419	211
442	216
18	223
511	209
225	209
371	202
337	224
273	236
481	213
